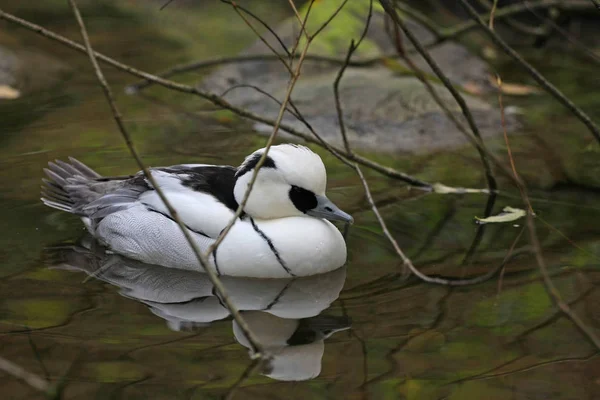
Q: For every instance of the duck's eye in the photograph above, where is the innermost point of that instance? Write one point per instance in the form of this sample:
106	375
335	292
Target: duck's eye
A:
303	199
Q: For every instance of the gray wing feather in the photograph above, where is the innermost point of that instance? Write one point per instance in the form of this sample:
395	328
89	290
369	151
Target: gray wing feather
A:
71	170
121	199
55	176
76	188
83	169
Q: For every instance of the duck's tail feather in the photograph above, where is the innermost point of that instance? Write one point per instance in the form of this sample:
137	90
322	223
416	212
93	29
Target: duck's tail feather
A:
57	191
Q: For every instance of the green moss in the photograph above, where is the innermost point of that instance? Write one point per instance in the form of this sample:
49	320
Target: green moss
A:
347	25
426	342
45	274
36	312
387	389
114	371
480	390
417	389
522	304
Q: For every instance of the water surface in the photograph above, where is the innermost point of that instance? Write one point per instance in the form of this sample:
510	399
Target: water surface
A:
499	339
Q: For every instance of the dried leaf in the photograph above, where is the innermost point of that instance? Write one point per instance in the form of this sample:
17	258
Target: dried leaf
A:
514	89
508	214
443	189
8	93
473	88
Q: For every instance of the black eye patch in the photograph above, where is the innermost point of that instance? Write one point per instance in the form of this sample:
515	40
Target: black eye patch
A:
303	199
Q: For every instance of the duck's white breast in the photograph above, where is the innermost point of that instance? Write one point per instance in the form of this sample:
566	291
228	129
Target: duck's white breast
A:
280	248
302	245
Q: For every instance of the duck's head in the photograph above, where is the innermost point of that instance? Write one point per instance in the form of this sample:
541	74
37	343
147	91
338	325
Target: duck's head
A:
291	182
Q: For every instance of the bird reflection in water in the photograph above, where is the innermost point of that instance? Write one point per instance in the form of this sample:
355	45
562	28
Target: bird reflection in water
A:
282	313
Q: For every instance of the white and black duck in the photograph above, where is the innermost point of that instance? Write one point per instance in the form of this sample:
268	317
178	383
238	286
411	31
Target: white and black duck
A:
283	231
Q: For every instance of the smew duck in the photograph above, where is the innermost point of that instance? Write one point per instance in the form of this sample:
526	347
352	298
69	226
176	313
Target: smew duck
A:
283	232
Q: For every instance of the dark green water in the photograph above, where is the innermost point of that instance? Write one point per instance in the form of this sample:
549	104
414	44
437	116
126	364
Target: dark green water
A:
496	340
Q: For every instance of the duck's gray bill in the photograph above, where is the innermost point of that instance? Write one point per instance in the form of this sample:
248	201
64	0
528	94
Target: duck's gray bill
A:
327	210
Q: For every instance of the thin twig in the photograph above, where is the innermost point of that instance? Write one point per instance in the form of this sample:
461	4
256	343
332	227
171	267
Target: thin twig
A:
505	261
489	206
294	78
338	105
302	27
256	346
37	355
298	115
21	374
504	12
443	34
481	228
537	248
478	141
331	17
166	4
423	19
216	100
548	86
492	14
551	289
259	20
405	260
576	43
266	43
526	29
336	84
196	65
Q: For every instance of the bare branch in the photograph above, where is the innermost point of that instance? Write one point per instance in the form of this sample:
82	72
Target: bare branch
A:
423	19
405	260
21	374
196	65
261	161
259	20
302	26
537	248
492	14
549	87
526	29
218	101
576	43
335	13
478	141
256	346
507	11
551	289
266	43
338	78
166	4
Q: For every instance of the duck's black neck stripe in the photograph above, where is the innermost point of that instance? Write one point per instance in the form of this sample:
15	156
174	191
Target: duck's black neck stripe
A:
171	218
271	246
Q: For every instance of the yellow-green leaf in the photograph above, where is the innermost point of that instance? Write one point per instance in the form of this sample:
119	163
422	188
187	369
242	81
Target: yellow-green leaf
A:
508	214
